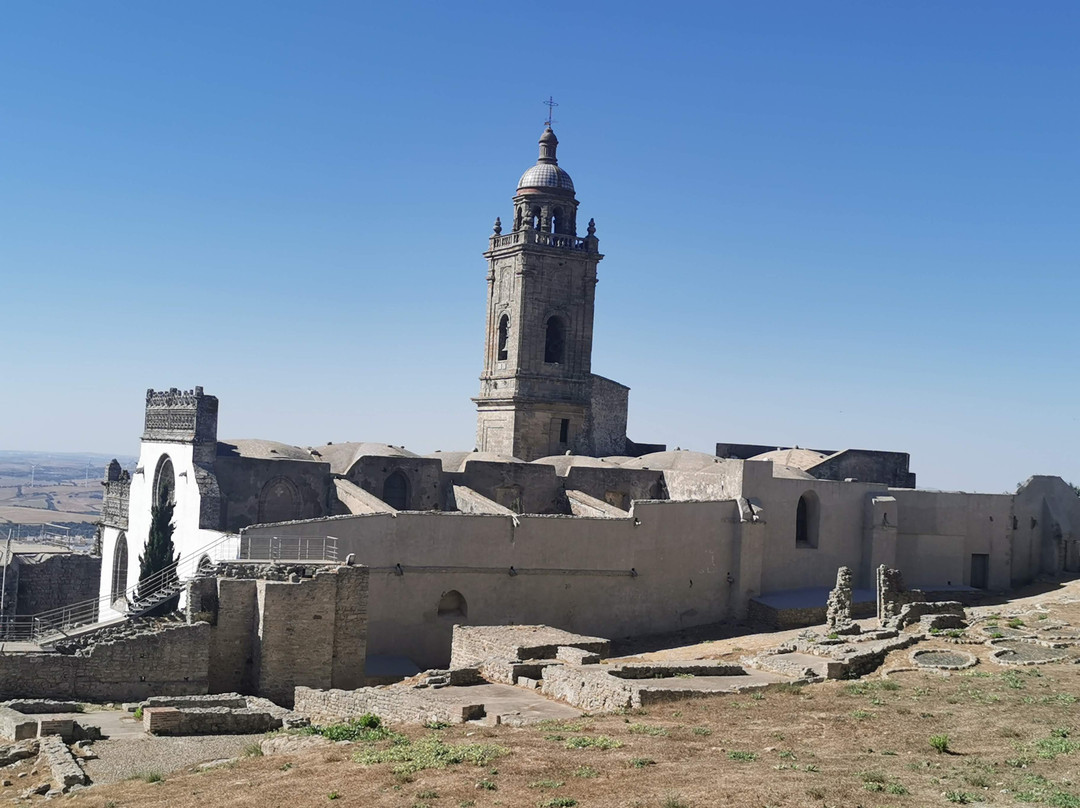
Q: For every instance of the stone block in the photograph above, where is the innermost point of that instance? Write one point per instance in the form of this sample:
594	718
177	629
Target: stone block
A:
161	720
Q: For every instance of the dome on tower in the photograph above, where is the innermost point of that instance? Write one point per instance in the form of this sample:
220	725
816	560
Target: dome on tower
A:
546	173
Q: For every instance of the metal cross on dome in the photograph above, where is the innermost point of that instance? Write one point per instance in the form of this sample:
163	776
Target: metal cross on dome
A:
550	104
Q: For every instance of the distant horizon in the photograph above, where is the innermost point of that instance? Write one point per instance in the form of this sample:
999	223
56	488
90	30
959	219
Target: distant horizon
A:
845	225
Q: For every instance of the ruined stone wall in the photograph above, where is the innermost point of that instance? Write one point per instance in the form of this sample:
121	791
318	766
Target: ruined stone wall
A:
172	662
232	647
394	704
606	424
51	581
472	645
299	642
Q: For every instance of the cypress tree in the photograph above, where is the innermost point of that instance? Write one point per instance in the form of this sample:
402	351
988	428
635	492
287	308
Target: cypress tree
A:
157	557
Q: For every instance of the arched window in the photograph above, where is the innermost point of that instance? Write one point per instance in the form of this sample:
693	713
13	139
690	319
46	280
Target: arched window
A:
807	517
555	341
534	219
279	501
396	491
164	482
556	220
517	219
453	606
119	569
504	336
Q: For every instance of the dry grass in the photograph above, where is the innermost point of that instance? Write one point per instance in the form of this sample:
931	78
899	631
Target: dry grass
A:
1013	736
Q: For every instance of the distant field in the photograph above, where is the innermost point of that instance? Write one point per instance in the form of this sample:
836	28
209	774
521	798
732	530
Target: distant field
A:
66	490
14	515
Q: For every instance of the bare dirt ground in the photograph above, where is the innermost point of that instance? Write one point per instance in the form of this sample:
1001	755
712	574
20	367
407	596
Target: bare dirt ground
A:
1013	737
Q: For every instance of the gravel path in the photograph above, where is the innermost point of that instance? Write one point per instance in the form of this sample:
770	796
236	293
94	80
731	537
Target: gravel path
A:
121	758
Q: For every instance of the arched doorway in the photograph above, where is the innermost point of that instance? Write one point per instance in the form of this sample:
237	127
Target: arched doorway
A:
119	569
452	606
396	491
807	517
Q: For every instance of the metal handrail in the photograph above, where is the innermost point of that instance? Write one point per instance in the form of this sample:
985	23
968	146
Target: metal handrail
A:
35	627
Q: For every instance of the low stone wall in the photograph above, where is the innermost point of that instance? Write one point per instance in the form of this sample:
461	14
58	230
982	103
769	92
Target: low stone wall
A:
592	690
168	662
395	704
36	706
208	721
14	726
66	772
769	617
472	645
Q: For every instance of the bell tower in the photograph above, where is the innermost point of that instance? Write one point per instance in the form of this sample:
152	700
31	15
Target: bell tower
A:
536	389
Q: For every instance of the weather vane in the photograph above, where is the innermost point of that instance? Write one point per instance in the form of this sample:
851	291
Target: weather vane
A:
550	104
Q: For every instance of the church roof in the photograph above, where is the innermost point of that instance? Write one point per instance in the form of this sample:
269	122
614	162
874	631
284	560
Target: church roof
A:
343	456
563	463
677	460
261	449
455	461
796	458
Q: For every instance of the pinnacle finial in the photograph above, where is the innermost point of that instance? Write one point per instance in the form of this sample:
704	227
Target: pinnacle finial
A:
592	228
498	226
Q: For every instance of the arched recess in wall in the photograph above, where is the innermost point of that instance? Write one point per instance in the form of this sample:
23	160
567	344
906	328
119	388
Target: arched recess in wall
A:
279	501
452	606
164	482
119	569
396	491
807	520
504	338
555	340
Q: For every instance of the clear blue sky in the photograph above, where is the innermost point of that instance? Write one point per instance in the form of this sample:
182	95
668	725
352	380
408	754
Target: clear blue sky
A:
831	224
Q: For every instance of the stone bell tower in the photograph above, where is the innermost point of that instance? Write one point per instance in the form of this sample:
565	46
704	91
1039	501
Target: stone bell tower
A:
537	389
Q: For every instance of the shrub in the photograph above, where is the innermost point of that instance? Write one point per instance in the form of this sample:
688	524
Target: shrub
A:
674	801
487	785
546	784
735	754
154	777
940	743
429	753
646	729
253	749
961	797
558	802
593	742
701	731
367	728
641	763
585	771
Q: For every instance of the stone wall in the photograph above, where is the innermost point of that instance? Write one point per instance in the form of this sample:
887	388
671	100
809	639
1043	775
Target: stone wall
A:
394	704
473	645
51	581
168	662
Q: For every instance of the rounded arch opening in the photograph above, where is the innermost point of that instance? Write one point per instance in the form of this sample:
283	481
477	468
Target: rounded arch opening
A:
279	501
555	341
165	482
396	491
452	605
807	520
119	569
504	338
